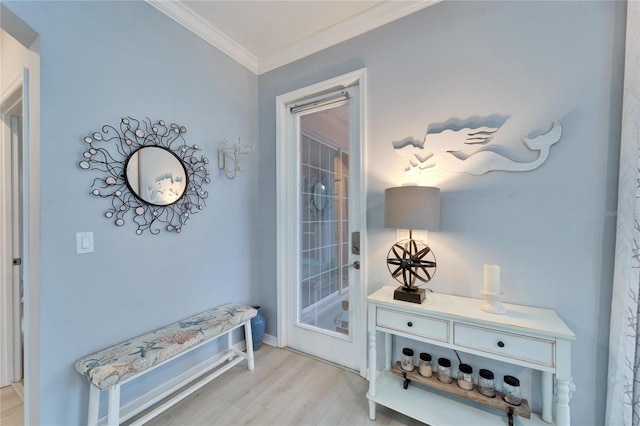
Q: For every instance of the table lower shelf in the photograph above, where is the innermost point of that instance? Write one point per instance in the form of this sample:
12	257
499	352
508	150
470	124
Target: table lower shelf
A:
438	408
497	402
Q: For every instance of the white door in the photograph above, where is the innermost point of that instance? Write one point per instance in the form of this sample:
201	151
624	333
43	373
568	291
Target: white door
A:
324	285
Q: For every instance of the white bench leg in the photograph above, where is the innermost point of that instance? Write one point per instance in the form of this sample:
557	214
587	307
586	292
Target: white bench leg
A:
229	345
114	406
249	340
94	405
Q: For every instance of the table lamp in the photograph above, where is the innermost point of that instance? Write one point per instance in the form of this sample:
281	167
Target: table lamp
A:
410	261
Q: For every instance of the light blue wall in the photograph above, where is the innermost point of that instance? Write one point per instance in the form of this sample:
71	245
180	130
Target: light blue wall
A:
101	61
521	63
527	62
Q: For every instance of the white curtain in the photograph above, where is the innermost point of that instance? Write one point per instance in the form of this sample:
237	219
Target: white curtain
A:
623	387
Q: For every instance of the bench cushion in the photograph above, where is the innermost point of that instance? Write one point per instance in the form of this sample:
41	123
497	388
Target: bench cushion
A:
115	364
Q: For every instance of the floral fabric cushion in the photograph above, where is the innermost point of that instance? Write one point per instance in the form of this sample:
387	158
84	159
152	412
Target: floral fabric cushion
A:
115	364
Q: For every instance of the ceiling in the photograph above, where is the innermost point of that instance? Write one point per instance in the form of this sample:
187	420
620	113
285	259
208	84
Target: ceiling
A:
265	34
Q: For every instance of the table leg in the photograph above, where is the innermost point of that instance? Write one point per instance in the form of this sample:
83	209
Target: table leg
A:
547	396
388	338
564	390
564	383
373	373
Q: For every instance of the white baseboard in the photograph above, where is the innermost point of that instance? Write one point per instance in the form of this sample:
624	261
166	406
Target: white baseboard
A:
270	340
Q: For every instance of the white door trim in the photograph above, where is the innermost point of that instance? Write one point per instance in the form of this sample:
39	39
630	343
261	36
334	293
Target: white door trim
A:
6	280
285	183
6	289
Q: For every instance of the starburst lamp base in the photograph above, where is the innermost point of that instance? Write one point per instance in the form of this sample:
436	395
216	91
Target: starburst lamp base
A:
411	262
410	294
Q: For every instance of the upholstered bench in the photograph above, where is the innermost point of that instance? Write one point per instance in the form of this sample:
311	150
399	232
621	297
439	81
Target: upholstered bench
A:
112	367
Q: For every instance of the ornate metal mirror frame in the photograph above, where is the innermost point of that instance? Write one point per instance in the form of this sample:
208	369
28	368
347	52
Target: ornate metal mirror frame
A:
148	172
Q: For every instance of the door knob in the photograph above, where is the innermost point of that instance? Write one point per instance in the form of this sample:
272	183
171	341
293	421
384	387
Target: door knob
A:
355	265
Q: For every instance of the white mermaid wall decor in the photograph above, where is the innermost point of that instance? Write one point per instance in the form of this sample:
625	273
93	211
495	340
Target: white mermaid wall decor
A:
441	151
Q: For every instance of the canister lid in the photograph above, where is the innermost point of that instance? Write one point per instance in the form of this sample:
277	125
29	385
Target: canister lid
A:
512	381
425	356
444	362
407	351
465	368
485	374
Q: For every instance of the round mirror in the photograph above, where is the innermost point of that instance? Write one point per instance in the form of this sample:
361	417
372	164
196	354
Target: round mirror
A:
319	195
156	175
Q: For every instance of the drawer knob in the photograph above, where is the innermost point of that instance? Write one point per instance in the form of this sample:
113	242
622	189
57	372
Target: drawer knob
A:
501	343
409	324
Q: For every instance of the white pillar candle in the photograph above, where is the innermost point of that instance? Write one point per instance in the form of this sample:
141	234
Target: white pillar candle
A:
491	279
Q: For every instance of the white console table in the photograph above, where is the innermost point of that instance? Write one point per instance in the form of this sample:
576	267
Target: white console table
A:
526	336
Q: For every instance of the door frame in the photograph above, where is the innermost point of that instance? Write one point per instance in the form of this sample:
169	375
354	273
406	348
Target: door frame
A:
286	183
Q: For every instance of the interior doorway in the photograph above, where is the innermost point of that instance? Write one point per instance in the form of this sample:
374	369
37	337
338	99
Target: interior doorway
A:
12	112
21	79
321	221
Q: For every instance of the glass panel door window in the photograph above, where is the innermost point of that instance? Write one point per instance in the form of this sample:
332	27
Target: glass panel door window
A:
323	291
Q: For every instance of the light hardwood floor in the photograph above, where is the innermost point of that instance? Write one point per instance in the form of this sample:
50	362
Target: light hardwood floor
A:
286	388
11	405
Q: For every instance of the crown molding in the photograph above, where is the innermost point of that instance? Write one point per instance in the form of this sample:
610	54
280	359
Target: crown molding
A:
356	25
367	20
180	13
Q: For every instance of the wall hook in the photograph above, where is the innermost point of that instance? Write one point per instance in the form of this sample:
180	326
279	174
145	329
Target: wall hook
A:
229	158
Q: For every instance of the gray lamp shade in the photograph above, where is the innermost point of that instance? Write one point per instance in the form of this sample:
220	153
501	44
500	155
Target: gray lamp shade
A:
412	207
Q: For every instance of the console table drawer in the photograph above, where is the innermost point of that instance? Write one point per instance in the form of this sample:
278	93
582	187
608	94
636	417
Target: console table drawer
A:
417	325
516	346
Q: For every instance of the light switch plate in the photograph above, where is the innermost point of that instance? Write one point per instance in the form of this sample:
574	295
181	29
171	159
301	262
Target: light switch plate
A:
84	242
